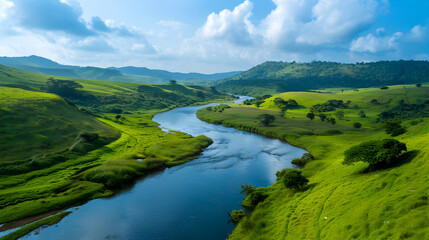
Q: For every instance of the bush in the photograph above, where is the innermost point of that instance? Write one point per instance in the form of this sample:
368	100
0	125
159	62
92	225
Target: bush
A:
237	215
394	128
293	179
266	119
301	162
357	125
379	154
384	88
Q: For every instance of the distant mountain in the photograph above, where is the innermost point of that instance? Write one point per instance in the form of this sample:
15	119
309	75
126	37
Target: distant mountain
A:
162	74
36	64
274	77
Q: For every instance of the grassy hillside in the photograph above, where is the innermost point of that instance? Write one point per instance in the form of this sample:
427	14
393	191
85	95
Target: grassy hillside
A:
105	96
36	64
341	202
54	149
276	77
33	123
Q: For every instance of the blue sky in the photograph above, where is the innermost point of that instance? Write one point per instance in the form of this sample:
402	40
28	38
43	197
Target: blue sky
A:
213	36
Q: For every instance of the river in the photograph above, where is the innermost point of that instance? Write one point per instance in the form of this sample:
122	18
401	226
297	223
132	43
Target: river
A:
189	201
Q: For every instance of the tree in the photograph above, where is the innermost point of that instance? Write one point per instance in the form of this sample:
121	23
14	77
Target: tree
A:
118	117
394	128
332	121
378	153
357	125
418	85
293	179
266	119
310	115
173	82
64	88
384	88
374	101
322	117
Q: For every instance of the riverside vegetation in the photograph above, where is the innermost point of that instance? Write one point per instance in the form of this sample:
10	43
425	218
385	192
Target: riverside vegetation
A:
85	139
341	201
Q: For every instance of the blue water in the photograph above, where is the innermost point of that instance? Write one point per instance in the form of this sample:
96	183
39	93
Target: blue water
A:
189	201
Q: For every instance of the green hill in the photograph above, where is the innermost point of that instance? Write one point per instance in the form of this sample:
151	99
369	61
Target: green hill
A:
36	64
105	96
276	77
341	202
35	123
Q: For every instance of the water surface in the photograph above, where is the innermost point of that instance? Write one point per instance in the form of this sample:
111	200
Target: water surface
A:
189	201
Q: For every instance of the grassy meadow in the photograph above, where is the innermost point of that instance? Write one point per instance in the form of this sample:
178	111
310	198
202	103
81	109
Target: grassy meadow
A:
340	202
59	152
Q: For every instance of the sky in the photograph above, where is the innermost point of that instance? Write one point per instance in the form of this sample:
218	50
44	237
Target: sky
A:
210	36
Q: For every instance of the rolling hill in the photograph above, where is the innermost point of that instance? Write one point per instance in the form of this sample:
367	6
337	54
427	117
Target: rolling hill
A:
34	123
36	64
108	96
276	77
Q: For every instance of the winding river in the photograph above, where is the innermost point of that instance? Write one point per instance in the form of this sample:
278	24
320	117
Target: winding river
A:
189	201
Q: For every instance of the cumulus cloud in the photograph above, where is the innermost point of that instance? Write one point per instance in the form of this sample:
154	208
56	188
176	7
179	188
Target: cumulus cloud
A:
296	24
232	26
398	41
51	15
4	7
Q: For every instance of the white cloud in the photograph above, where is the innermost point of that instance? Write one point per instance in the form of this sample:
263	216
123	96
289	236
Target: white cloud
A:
375	43
297	24
395	42
4	7
232	26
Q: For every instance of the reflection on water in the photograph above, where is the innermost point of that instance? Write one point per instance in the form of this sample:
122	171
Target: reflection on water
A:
189	201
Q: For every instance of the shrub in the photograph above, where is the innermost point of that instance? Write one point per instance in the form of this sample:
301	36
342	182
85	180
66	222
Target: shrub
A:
266	119
310	115
301	162
394	128
237	215
293	179
357	125
379	154
384	88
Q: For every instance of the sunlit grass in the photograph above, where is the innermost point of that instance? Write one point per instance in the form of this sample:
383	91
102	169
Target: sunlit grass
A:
342	202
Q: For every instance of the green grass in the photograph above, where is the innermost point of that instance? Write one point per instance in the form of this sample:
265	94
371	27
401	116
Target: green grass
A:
49	221
341	202
97	173
33	123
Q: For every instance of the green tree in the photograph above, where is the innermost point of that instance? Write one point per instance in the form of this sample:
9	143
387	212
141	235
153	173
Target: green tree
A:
293	178
322	117
332	121
117	117
357	125
394	128
266	119
173	82
378	153
418	85
310	115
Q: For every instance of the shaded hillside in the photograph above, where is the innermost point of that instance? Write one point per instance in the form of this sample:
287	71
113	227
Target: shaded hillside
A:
274	77
166	75
105	96
36	64
33	123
